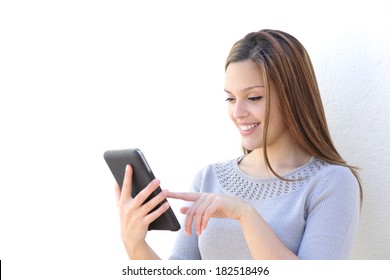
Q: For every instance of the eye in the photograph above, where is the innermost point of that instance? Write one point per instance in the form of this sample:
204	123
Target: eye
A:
255	98
229	99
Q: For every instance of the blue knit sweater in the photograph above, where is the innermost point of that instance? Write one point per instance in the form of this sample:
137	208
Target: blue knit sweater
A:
316	217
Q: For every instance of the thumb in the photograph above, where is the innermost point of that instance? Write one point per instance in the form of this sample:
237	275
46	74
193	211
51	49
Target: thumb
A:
117	193
184	210
127	183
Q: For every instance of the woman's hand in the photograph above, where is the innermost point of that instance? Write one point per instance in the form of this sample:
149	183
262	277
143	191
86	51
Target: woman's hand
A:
209	205
134	215
262	242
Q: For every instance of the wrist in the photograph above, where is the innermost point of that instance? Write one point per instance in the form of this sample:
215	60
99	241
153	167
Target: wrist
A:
140	251
248	214
133	247
134	250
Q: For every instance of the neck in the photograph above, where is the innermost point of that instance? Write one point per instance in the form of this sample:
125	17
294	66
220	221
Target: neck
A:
282	159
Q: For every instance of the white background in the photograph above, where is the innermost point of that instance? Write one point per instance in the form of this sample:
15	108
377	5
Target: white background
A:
80	77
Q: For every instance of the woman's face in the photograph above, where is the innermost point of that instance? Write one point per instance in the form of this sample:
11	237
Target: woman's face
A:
245	90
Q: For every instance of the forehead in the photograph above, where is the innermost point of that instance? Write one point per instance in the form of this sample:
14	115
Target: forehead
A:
242	74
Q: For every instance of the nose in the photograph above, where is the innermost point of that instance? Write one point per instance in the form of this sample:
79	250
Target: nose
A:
239	110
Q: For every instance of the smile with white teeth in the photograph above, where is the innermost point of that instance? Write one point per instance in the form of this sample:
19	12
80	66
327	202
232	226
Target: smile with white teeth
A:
247	127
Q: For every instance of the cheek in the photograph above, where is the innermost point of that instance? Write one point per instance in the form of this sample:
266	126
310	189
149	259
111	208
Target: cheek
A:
276	122
258	111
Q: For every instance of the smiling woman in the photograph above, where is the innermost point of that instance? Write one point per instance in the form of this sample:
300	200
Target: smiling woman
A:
247	106
289	196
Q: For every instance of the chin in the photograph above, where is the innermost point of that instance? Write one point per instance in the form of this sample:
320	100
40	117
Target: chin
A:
250	146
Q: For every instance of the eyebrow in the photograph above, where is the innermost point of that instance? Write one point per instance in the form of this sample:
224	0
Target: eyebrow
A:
247	88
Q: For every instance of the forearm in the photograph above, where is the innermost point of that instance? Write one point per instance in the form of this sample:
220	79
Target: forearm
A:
141	251
262	242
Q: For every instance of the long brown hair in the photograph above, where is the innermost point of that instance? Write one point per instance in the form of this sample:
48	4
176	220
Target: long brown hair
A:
285	62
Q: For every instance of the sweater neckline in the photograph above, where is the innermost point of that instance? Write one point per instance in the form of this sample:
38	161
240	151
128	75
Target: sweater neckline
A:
289	175
235	182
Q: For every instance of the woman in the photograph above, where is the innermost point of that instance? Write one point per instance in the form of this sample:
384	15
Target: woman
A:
290	196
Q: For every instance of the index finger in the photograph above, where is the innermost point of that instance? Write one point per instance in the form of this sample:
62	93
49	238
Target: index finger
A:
127	183
186	196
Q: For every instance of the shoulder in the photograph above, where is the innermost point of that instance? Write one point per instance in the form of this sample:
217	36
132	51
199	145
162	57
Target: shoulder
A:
335	181
334	175
207	175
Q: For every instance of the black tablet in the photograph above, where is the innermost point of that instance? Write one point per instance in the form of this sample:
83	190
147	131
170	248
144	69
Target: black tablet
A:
142	176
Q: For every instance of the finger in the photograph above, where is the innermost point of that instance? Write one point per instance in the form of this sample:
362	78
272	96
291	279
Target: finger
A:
127	183
140	198
157	213
208	213
184	210
191	211
151	204
117	193
184	196
187	227
199	216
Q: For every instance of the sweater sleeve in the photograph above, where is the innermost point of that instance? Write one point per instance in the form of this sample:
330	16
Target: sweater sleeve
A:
332	217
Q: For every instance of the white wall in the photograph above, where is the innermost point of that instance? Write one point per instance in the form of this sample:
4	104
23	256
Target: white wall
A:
80	77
